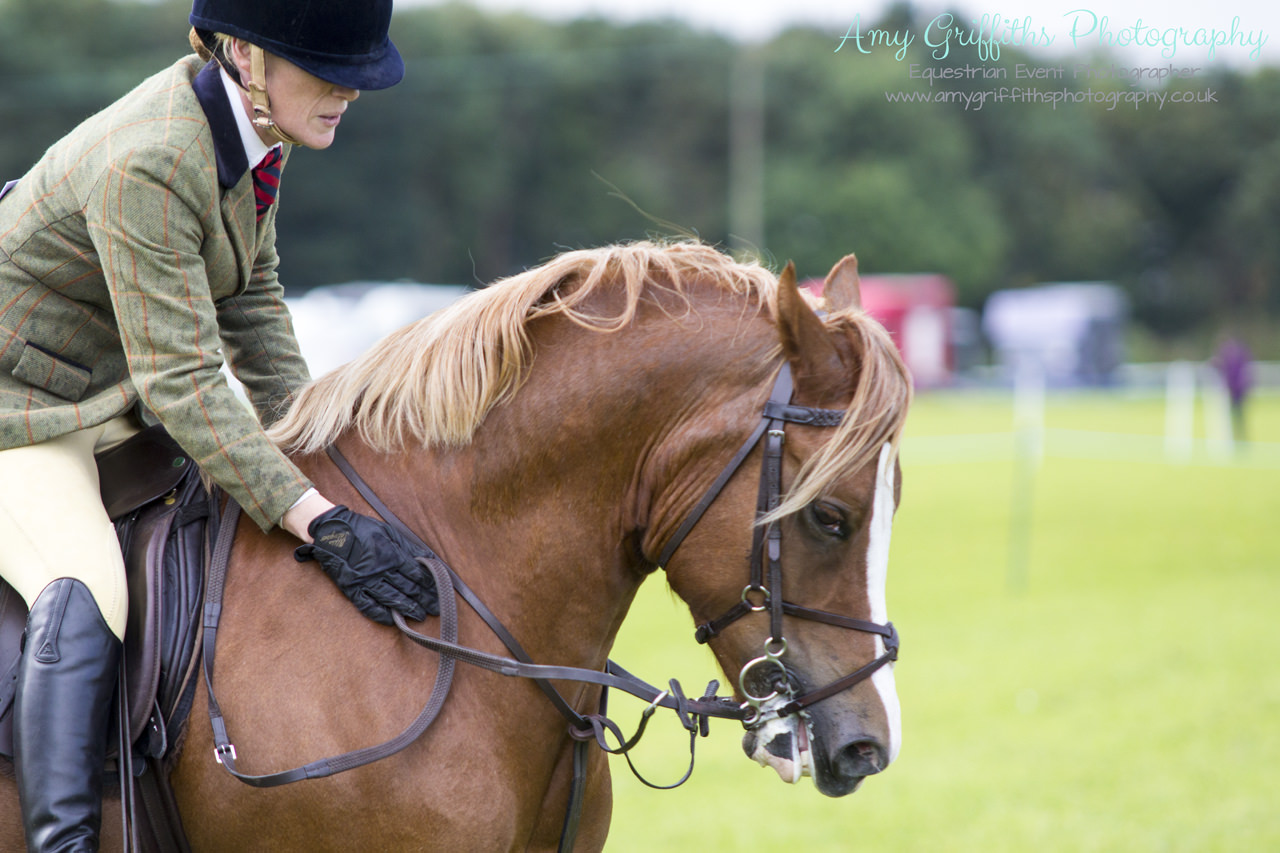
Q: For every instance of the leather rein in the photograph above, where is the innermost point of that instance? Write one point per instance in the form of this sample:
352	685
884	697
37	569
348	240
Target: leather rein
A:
693	713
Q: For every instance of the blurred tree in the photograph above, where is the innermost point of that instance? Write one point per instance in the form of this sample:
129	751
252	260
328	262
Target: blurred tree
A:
499	139
849	171
1250	216
1194	185
509	134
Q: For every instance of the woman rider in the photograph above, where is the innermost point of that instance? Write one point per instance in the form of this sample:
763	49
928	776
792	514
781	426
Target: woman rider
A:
134	256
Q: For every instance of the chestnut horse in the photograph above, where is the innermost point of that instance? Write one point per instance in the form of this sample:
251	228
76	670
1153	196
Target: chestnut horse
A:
548	436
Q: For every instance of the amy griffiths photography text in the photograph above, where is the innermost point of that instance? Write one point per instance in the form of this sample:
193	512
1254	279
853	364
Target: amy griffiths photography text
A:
1081	28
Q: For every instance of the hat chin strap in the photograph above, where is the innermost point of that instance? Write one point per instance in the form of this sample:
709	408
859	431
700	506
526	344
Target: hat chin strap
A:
258	96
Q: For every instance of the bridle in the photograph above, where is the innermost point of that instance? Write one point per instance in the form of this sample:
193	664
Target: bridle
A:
764	591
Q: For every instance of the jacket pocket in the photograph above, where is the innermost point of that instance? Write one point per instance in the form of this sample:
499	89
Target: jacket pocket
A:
58	376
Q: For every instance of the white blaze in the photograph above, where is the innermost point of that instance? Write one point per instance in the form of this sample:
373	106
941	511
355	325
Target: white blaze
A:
877	571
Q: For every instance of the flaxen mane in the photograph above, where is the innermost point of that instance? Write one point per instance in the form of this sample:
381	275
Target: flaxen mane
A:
433	381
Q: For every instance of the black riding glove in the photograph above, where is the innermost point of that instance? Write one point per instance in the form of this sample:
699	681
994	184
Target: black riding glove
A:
372	565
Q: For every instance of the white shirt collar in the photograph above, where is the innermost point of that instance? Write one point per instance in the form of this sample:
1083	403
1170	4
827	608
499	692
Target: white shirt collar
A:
254	148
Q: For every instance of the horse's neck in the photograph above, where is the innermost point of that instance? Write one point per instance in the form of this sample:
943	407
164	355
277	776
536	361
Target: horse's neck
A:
546	513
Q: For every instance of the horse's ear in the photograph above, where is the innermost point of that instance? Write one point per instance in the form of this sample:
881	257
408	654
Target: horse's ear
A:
843	290
822	370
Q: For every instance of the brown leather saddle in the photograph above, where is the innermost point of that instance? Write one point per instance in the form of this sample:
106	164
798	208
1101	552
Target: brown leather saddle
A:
164	519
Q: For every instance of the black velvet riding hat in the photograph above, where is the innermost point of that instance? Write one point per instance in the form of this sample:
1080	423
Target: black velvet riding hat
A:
344	42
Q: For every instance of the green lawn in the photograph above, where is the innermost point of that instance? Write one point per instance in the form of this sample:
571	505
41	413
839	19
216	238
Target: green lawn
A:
1109	685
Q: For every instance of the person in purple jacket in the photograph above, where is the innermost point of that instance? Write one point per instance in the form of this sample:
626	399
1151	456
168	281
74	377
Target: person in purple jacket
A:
1235	364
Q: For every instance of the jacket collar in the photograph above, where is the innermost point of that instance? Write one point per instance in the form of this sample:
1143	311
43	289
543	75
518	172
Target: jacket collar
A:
228	148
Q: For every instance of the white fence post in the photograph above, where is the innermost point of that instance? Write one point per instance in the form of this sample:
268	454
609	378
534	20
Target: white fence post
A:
1028	428
1179	410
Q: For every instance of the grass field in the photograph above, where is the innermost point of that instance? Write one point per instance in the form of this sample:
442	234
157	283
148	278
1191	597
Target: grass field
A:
1110	684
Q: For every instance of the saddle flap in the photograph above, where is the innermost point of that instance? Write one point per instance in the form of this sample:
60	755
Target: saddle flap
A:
164	554
144	562
136	472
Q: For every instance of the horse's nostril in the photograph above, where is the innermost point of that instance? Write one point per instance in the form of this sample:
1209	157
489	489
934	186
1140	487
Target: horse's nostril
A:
861	758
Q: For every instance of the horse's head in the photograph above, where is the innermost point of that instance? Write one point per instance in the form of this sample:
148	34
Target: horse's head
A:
801	625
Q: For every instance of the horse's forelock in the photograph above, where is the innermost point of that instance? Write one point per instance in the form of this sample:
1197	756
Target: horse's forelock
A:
874	417
433	381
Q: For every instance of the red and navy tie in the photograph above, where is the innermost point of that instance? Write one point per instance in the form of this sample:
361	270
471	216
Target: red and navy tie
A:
266	180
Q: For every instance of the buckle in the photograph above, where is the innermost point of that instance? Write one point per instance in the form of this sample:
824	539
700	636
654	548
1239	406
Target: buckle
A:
227	749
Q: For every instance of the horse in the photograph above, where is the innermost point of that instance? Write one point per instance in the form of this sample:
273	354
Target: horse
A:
550	436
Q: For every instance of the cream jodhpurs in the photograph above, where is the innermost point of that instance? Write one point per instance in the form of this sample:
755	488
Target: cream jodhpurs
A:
52	524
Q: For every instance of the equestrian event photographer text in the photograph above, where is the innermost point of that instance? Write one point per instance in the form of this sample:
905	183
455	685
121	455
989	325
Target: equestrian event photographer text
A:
1082	28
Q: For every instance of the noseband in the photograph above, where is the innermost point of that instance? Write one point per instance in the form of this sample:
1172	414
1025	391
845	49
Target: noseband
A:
765	593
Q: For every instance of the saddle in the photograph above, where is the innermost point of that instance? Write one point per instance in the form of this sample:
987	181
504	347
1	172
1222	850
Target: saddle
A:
165	520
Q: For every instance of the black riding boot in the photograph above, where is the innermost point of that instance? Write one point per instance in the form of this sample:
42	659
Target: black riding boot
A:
66	681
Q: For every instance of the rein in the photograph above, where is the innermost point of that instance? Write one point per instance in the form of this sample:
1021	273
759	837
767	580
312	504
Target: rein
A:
694	714
224	751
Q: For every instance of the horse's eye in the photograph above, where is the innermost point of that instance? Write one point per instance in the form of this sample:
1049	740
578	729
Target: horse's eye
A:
830	519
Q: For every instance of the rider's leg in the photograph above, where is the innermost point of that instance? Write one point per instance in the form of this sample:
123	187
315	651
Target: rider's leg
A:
60	553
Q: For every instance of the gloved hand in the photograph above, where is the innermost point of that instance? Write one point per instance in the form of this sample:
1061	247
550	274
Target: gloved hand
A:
372	565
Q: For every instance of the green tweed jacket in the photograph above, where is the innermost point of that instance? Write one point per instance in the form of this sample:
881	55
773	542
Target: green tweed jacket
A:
131	265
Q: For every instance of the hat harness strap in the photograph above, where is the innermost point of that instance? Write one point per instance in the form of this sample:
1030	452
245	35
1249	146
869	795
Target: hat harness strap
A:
258	95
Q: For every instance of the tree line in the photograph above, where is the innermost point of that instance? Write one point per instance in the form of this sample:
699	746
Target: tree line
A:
513	138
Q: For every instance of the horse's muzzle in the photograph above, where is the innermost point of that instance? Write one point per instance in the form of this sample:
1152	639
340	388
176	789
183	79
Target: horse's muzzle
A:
852	763
839	770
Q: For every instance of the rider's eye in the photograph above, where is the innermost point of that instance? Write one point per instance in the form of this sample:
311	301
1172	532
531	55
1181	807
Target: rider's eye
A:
830	519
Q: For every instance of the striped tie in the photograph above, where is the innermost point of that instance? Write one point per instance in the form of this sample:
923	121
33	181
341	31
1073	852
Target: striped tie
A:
266	180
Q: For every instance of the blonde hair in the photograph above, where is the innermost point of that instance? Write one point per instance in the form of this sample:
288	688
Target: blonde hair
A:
875	416
221	45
